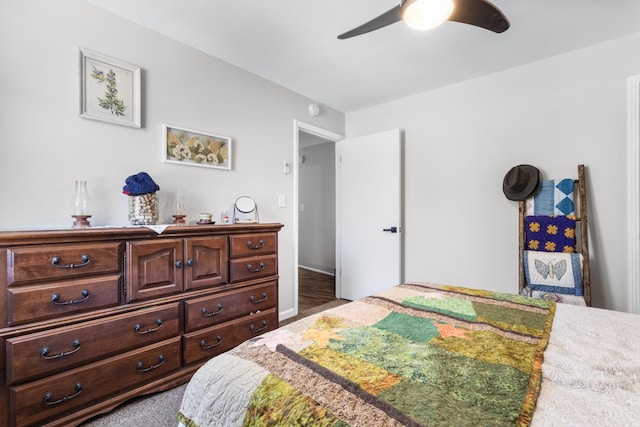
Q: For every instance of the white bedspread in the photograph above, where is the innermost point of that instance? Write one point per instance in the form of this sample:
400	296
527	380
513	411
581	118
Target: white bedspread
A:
591	370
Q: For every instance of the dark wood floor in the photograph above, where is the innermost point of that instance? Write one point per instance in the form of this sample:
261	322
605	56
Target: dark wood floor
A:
314	289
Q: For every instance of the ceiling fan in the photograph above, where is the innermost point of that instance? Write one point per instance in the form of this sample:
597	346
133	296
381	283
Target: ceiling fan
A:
426	14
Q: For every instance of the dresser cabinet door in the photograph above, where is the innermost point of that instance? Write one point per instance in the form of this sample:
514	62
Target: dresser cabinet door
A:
155	268
205	262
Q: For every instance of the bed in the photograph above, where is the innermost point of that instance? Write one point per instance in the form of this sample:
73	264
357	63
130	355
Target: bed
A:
425	354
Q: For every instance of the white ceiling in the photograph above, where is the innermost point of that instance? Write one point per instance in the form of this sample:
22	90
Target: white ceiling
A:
294	42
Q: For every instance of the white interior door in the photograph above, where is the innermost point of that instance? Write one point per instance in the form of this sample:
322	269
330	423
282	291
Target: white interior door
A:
369	214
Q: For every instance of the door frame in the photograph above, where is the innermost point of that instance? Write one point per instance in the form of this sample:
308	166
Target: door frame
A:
633	188
300	126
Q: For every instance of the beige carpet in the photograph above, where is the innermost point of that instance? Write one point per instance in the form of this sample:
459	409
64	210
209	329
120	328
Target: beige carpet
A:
160	409
157	410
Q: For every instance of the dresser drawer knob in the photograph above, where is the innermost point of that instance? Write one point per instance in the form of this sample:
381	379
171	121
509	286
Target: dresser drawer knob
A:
55	298
48	396
213	313
258	246
140	365
204	346
137	328
260	267
255	331
85	261
45	351
258	301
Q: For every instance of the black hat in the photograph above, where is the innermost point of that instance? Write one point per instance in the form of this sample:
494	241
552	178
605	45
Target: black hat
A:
520	182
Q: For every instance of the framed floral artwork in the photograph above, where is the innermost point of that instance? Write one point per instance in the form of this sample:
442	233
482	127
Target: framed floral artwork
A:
109	89
196	148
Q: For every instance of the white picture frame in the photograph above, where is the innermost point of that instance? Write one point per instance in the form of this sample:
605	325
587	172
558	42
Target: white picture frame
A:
190	147
110	89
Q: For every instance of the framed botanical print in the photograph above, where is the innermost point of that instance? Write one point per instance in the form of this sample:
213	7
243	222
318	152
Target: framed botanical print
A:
109	89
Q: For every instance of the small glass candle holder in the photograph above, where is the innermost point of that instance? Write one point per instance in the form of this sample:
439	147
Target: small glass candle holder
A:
80	205
179	216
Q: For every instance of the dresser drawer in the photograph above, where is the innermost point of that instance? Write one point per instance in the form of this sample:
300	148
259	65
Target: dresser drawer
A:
50	262
218	308
253	244
38	302
48	352
253	267
65	392
218	339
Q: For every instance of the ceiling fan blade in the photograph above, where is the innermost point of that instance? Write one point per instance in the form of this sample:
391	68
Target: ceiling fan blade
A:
480	13
389	17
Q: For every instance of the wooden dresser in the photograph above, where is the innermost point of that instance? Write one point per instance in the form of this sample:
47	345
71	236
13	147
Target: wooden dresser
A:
90	318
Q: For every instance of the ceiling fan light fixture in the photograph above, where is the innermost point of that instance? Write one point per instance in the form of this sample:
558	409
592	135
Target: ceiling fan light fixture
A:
426	14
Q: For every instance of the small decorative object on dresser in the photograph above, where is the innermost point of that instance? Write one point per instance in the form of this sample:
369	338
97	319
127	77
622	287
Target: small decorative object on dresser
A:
91	318
206	218
143	202
245	210
179	216
80	205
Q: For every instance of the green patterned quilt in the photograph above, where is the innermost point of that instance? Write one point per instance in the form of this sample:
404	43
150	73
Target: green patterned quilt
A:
415	355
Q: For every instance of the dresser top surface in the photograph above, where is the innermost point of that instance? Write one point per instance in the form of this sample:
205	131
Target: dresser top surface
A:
62	235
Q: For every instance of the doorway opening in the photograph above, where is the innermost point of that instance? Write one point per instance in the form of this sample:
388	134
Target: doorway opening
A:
314	216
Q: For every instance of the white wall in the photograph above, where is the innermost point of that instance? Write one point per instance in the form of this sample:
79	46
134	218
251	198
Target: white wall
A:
461	140
317	222
46	146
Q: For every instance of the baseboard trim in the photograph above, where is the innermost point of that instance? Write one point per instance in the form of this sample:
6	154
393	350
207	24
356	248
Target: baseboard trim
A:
316	270
284	315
